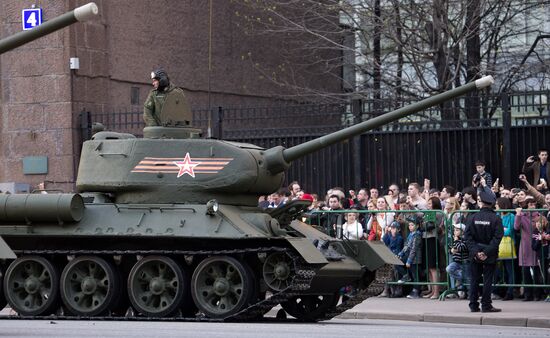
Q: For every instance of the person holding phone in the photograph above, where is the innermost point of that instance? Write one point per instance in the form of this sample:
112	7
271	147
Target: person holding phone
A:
539	168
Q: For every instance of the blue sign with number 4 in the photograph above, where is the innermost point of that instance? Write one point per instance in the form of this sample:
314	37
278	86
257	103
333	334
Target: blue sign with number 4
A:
31	18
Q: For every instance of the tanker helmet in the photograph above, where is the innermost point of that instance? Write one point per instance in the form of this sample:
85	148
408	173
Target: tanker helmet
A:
162	77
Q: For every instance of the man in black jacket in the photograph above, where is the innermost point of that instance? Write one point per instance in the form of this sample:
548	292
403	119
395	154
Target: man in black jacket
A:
540	169
483	234
330	221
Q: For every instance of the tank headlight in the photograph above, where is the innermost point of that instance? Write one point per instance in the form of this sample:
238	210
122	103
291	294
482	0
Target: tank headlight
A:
212	207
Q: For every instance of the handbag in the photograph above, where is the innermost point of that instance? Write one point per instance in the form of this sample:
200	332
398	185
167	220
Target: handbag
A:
506	248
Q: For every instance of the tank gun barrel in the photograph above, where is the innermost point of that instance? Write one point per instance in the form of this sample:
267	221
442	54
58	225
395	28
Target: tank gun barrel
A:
278	158
81	13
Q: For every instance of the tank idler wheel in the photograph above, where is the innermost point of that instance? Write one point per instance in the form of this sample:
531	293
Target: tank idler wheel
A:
278	271
310	307
31	286
221	286
89	286
156	286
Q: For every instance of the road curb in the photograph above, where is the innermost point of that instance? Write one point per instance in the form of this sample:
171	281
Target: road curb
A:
504	321
392	316
538	322
439	318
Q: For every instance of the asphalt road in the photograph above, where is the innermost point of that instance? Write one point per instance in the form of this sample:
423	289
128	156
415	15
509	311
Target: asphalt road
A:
334	328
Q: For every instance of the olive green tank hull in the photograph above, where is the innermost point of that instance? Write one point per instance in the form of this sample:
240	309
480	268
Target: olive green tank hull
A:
118	238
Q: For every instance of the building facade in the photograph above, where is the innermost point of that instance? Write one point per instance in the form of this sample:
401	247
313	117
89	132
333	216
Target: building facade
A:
201	44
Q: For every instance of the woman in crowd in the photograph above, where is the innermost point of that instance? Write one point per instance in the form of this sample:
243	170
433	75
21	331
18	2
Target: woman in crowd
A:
380	222
525	221
469	195
451	208
463	215
433	228
540	243
452	216
519	199
371	206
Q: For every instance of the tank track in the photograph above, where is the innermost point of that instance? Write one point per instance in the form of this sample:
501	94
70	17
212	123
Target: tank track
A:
300	282
382	275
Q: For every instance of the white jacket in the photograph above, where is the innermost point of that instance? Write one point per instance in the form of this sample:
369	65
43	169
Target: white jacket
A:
353	230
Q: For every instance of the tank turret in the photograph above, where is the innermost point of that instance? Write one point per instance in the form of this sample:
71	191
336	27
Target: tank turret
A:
82	13
180	168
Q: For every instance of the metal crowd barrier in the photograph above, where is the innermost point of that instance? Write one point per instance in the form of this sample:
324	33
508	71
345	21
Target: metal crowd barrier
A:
444	238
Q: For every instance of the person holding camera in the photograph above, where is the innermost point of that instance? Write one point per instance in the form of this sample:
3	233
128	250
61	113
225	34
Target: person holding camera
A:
540	169
481	173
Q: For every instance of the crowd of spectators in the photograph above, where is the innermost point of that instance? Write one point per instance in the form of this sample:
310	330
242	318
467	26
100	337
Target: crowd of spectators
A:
423	226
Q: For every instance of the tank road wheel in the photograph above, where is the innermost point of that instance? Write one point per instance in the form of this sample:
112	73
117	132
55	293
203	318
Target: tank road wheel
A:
89	286
278	271
221	286
156	286
31	286
310	307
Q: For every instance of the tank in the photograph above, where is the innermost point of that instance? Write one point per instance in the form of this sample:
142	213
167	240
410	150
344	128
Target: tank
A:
167	227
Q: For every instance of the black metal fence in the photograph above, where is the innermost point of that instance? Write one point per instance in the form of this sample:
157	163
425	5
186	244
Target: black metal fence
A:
417	147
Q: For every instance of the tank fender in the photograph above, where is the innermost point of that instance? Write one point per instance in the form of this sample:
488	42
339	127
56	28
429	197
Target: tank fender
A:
309	231
307	250
371	254
5	251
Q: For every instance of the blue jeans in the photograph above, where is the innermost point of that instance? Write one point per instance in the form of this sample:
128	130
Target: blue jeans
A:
508	266
458	271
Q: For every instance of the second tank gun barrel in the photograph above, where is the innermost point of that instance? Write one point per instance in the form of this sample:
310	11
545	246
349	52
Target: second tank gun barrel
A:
293	153
81	13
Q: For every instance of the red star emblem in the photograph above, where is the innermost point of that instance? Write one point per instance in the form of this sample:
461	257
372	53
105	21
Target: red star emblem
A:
186	166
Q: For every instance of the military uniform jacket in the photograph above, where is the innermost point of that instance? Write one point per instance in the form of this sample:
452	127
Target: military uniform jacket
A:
483	233
153	105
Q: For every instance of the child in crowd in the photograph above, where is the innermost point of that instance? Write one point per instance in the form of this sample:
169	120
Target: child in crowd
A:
393	238
352	229
394	241
411	255
457	269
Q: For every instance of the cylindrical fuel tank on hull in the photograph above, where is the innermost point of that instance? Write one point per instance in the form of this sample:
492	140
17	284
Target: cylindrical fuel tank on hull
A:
46	208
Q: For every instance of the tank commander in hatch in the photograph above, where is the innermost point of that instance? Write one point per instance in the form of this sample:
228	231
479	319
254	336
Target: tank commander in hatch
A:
166	103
